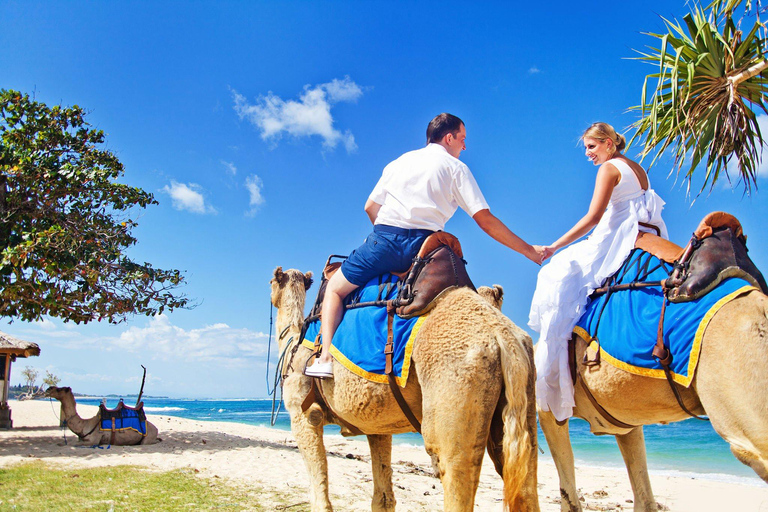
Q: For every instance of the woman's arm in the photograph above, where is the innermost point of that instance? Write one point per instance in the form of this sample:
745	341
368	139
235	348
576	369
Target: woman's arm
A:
608	177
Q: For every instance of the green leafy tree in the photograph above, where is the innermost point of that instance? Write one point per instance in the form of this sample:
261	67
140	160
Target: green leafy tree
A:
65	222
709	84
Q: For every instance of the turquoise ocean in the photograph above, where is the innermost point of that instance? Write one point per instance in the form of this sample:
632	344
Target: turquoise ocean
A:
689	448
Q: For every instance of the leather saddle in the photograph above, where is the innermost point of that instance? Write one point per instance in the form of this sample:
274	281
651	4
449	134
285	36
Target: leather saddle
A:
438	268
717	250
121	413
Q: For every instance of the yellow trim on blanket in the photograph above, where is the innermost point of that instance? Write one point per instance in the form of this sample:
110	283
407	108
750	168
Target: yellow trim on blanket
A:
376	377
695	349
121	429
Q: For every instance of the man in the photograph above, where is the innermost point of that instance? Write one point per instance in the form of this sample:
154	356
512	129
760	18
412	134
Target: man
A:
415	196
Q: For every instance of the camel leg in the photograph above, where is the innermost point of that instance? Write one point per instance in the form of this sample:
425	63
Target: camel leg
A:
632	446
559	442
456	442
381	462
308	432
310	441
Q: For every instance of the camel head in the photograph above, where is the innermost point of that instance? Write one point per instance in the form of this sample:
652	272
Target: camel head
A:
494	295
289	283
57	393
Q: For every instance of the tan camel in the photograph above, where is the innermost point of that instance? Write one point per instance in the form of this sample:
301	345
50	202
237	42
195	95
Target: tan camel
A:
493	294
471	371
87	430
729	387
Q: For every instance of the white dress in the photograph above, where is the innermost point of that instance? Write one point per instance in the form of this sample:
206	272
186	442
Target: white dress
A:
565	283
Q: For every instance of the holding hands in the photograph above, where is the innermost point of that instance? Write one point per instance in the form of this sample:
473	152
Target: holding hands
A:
542	253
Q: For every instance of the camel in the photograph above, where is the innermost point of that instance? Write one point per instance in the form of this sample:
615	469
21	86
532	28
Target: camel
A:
493	294
728	387
471	373
87	430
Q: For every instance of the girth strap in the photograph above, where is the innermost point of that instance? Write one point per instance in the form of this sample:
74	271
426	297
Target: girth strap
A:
600	409
577	377
389	370
112	437
664	356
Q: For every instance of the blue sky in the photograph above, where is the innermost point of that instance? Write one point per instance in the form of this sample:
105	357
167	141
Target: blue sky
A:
261	128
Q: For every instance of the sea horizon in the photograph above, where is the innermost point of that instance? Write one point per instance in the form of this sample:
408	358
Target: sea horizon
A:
690	448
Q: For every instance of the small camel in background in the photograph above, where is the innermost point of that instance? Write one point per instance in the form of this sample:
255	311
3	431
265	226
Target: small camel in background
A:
87	430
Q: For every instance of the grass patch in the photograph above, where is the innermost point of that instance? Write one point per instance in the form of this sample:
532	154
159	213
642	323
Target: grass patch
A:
36	486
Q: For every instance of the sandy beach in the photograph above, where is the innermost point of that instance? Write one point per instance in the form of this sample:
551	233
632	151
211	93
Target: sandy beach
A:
268	458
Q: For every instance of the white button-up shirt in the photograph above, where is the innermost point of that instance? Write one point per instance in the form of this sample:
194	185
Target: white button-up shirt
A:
423	188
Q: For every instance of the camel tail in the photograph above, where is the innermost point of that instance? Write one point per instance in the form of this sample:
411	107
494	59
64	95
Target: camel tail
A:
518	448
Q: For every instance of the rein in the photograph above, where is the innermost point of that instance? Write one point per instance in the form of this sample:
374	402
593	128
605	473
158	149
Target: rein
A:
278	380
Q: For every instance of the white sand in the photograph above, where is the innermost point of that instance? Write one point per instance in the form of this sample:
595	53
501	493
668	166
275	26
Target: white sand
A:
268	458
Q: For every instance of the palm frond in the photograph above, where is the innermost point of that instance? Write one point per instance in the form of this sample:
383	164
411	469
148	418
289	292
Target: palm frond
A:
710	79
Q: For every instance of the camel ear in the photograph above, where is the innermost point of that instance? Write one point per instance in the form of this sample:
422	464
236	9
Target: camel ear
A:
308	280
498	291
278	274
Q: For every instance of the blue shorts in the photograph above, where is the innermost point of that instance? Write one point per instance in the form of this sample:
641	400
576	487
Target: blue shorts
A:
387	249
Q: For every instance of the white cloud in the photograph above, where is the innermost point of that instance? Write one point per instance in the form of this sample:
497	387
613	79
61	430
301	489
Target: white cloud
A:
254	185
231	169
342	90
45	324
217	343
188	197
309	116
533	70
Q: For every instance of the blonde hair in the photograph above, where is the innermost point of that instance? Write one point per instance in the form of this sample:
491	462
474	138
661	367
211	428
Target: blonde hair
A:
603	132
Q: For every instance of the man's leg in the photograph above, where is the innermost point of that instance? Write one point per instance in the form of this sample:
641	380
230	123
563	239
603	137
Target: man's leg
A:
333	311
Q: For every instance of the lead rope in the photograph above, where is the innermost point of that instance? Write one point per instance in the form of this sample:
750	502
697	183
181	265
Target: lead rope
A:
278	381
269	348
63	427
277	404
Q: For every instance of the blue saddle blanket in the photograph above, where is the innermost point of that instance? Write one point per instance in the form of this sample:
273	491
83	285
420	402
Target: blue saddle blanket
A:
125	419
360	339
627	321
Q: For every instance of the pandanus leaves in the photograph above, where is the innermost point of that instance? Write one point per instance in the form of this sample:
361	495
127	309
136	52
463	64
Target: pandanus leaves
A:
708	89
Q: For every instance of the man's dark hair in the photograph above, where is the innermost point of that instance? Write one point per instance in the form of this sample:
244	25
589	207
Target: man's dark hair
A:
441	125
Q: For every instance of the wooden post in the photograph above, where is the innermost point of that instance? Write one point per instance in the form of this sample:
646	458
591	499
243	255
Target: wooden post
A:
5	411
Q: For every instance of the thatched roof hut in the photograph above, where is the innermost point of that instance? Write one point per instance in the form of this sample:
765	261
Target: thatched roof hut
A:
17	347
10	349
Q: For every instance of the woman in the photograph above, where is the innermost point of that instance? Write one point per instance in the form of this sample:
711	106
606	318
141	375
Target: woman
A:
621	201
